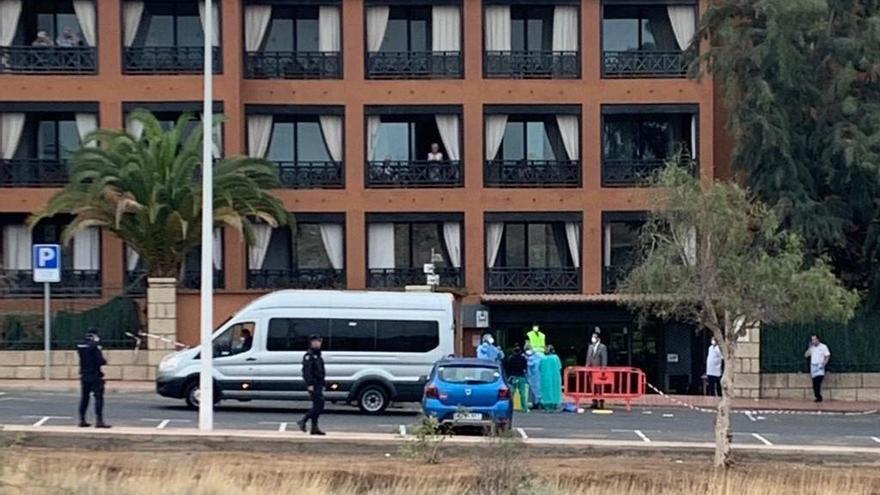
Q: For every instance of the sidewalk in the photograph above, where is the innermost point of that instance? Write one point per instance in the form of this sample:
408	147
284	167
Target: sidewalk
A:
112	387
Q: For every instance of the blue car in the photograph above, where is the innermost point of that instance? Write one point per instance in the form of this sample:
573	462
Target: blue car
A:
468	392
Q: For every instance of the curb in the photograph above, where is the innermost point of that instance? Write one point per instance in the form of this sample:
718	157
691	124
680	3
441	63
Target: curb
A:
111	387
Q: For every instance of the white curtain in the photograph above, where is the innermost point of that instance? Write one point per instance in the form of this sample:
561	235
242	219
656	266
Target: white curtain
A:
87	249
256	23
377	22
694	137
684	22
565	28
215	21
259	128
332	236
380	245
86	123
131	21
445	28
573	236
494	232
448	126
498	28
11	126
131	259
373	125
217	248
452	238
568	128
495	125
258	249
85	14
10	11
16	247
329	29
331	128
607	246
134	127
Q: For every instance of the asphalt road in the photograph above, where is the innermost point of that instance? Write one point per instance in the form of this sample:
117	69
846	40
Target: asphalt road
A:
645	424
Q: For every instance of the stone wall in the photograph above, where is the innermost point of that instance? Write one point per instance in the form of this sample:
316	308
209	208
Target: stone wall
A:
747	381
837	386
121	365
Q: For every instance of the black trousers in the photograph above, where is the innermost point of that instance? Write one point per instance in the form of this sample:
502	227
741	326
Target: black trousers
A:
317	396
817	387
714	385
87	389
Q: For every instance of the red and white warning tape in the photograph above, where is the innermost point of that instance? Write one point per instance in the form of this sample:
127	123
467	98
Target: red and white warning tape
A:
762	411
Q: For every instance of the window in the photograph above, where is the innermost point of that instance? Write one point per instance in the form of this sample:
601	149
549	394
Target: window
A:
534	245
298	141
646	137
530	139
234	340
408	30
626	28
353	335
167	24
292	29
407	138
469	374
415	243
531	29
53	17
304	250
623	243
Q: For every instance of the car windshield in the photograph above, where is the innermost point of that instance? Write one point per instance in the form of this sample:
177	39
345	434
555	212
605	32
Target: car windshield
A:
468	374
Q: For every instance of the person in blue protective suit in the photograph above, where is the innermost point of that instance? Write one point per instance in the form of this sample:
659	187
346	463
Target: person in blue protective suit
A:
488	350
551	381
534	375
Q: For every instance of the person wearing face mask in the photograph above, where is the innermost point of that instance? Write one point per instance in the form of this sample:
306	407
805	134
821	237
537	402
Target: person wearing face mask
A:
714	361
314	376
533	373
597	357
246	341
91	378
488	350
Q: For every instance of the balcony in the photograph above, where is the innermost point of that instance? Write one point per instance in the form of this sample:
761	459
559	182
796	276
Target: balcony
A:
293	65
299	278
414	65
612	275
627	173
533	173
168	60
532	64
401	277
48	60
309	175
513	280
74	284
640	63
414	173
32	172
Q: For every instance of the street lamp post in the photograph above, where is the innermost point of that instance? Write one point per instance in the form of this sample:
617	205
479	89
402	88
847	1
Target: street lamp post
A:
206	383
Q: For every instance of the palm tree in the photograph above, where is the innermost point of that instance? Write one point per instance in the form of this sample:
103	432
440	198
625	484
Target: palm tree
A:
147	192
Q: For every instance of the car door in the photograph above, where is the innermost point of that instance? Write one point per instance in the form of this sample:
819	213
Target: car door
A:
234	359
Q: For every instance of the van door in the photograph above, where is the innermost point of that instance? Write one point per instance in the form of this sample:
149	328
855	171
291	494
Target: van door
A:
278	373
234	359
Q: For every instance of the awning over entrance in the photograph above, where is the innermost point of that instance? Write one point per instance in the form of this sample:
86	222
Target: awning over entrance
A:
552	298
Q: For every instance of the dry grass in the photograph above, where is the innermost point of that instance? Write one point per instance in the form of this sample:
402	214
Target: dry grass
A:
37	472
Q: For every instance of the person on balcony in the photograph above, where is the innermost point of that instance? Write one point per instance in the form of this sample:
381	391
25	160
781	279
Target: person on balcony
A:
435	155
42	39
68	39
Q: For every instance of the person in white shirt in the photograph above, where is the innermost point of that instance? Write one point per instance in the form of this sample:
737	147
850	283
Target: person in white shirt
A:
714	361
435	155
819	356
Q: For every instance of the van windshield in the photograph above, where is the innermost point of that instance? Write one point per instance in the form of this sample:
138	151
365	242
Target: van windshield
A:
468	374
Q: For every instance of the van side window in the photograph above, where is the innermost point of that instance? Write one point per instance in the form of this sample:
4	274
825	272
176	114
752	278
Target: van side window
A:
234	340
352	335
292	334
406	336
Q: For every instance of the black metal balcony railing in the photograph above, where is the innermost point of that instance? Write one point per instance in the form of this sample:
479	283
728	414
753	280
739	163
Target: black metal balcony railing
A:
532	64
612	275
32	172
533	173
304	175
192	279
48	59
639	63
168	60
298	278
414	173
414	65
401	277
635	172
510	280
292	65
74	283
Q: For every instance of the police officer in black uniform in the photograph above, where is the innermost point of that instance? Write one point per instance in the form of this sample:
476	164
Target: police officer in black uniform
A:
313	374
91	378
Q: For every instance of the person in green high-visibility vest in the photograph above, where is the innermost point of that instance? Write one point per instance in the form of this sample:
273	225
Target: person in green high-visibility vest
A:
537	339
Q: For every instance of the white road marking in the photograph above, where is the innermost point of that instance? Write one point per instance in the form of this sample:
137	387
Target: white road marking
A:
876	439
162	424
642	436
44	419
761	418
402	430
750	416
282	427
647	412
522	433
762	439
668	415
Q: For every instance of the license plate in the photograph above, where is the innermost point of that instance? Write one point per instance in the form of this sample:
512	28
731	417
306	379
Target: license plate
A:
467	417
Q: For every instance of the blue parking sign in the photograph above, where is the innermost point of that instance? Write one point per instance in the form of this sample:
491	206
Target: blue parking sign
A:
46	260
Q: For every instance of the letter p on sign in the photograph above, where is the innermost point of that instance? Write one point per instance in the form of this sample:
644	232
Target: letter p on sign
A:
47	263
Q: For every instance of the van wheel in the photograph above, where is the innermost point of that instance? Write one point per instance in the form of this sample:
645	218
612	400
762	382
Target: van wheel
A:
194	393
373	399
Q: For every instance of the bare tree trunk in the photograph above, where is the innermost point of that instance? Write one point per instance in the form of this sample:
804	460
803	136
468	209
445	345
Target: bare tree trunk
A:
723	430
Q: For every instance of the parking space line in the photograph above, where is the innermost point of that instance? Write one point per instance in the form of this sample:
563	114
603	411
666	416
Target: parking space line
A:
402	430
162	424
750	416
44	419
668	415
642	436
522	433
876	439
762	439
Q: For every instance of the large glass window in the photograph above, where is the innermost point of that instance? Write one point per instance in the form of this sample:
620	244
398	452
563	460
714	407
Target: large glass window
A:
623	243
407	138
531	28
644	28
292	334
303	248
49	137
530	140
534	245
417	243
646	137
353	335
234	340
166	24
408	30
52	17
299	140
292	29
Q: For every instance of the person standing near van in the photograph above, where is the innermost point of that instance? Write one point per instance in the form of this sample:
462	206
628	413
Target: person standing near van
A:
91	378
313	375
537	339
819	356
714	361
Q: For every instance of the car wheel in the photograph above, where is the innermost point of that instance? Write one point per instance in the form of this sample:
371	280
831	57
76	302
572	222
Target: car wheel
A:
194	393
373	399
